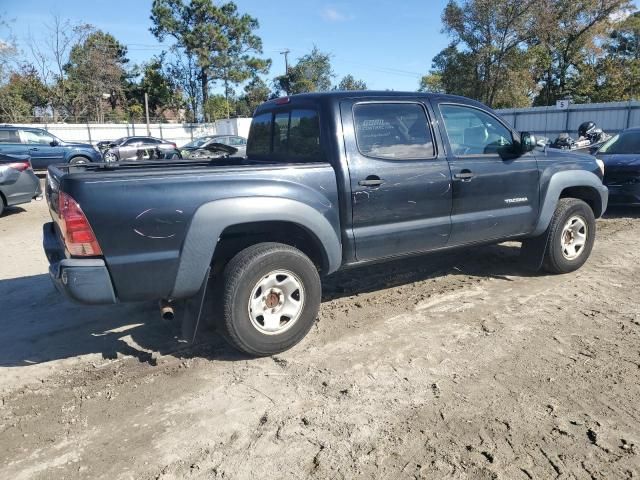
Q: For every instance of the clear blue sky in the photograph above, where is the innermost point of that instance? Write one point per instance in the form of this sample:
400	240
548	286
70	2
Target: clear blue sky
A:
387	43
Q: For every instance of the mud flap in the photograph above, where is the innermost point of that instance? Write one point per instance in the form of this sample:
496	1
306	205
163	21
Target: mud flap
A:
193	311
533	250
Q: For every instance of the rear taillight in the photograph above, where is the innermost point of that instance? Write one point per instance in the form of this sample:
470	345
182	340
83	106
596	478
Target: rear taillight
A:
174	145
20	166
76	231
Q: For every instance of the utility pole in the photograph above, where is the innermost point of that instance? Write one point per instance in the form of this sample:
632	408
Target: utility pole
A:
146	109
286	53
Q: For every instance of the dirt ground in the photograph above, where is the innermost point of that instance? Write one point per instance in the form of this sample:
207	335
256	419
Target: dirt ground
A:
448	366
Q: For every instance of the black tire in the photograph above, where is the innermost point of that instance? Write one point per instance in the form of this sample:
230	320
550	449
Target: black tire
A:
240	279
555	258
79	160
1	205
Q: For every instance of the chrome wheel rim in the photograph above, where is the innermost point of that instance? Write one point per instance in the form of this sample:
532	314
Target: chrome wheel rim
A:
110	157
574	237
276	302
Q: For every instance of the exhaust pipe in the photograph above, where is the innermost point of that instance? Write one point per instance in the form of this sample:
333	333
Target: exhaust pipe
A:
166	310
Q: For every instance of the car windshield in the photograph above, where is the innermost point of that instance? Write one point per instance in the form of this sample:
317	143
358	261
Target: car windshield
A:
198	142
623	143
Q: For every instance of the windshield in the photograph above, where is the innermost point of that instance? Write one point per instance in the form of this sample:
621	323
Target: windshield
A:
623	143
198	142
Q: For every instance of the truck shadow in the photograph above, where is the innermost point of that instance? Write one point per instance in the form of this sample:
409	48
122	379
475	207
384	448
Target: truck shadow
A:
8	211
40	326
495	261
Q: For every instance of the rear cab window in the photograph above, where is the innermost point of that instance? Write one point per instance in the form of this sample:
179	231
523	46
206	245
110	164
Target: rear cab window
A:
291	135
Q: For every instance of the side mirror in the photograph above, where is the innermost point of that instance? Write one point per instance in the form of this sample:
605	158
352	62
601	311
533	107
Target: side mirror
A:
527	142
54	143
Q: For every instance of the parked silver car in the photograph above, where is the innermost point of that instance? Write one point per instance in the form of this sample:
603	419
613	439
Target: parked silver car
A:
138	148
18	183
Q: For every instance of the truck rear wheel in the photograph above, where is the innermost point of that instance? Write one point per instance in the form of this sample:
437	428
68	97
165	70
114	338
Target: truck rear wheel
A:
571	236
270	298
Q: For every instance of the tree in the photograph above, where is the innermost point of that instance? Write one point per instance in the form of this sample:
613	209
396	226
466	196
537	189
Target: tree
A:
312	73
255	93
184	72
432	83
485	53
612	72
567	31
217	107
348	82
8	50
51	54
160	86
96	70
221	41
21	95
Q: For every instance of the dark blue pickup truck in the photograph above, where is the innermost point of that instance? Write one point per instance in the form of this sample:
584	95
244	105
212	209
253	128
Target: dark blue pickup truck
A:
331	180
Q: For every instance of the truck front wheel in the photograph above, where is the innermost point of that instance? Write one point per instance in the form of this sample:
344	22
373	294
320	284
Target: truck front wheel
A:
572	232
270	298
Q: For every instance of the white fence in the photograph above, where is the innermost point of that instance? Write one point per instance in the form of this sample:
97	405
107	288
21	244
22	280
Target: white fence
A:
180	133
552	121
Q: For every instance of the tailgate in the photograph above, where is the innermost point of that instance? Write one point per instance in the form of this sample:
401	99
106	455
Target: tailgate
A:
51	190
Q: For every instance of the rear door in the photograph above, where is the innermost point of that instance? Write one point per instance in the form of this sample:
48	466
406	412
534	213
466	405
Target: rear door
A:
129	149
42	147
400	180
495	191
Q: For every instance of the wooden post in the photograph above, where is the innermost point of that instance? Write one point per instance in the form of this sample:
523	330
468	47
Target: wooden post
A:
146	108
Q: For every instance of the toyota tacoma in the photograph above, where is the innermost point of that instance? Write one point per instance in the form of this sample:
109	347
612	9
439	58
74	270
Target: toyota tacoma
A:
331	181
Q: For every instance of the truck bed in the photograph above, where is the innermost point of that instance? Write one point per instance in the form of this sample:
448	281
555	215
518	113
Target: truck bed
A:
141	212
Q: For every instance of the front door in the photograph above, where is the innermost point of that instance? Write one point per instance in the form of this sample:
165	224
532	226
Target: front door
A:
42	147
495	190
400	182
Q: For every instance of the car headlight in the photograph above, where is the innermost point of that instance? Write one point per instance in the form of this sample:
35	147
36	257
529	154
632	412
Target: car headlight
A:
601	165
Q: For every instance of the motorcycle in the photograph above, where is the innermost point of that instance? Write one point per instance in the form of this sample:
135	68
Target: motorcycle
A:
590	138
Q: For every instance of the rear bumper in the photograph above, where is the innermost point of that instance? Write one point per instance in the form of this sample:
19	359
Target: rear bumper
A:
82	280
25	188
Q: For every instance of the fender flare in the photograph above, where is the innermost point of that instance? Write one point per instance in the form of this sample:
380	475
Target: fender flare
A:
566	179
212	218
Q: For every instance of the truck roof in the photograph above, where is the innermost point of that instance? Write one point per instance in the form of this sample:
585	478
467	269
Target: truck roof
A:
335	96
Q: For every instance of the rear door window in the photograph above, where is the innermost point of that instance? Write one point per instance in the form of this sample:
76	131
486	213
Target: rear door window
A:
395	131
